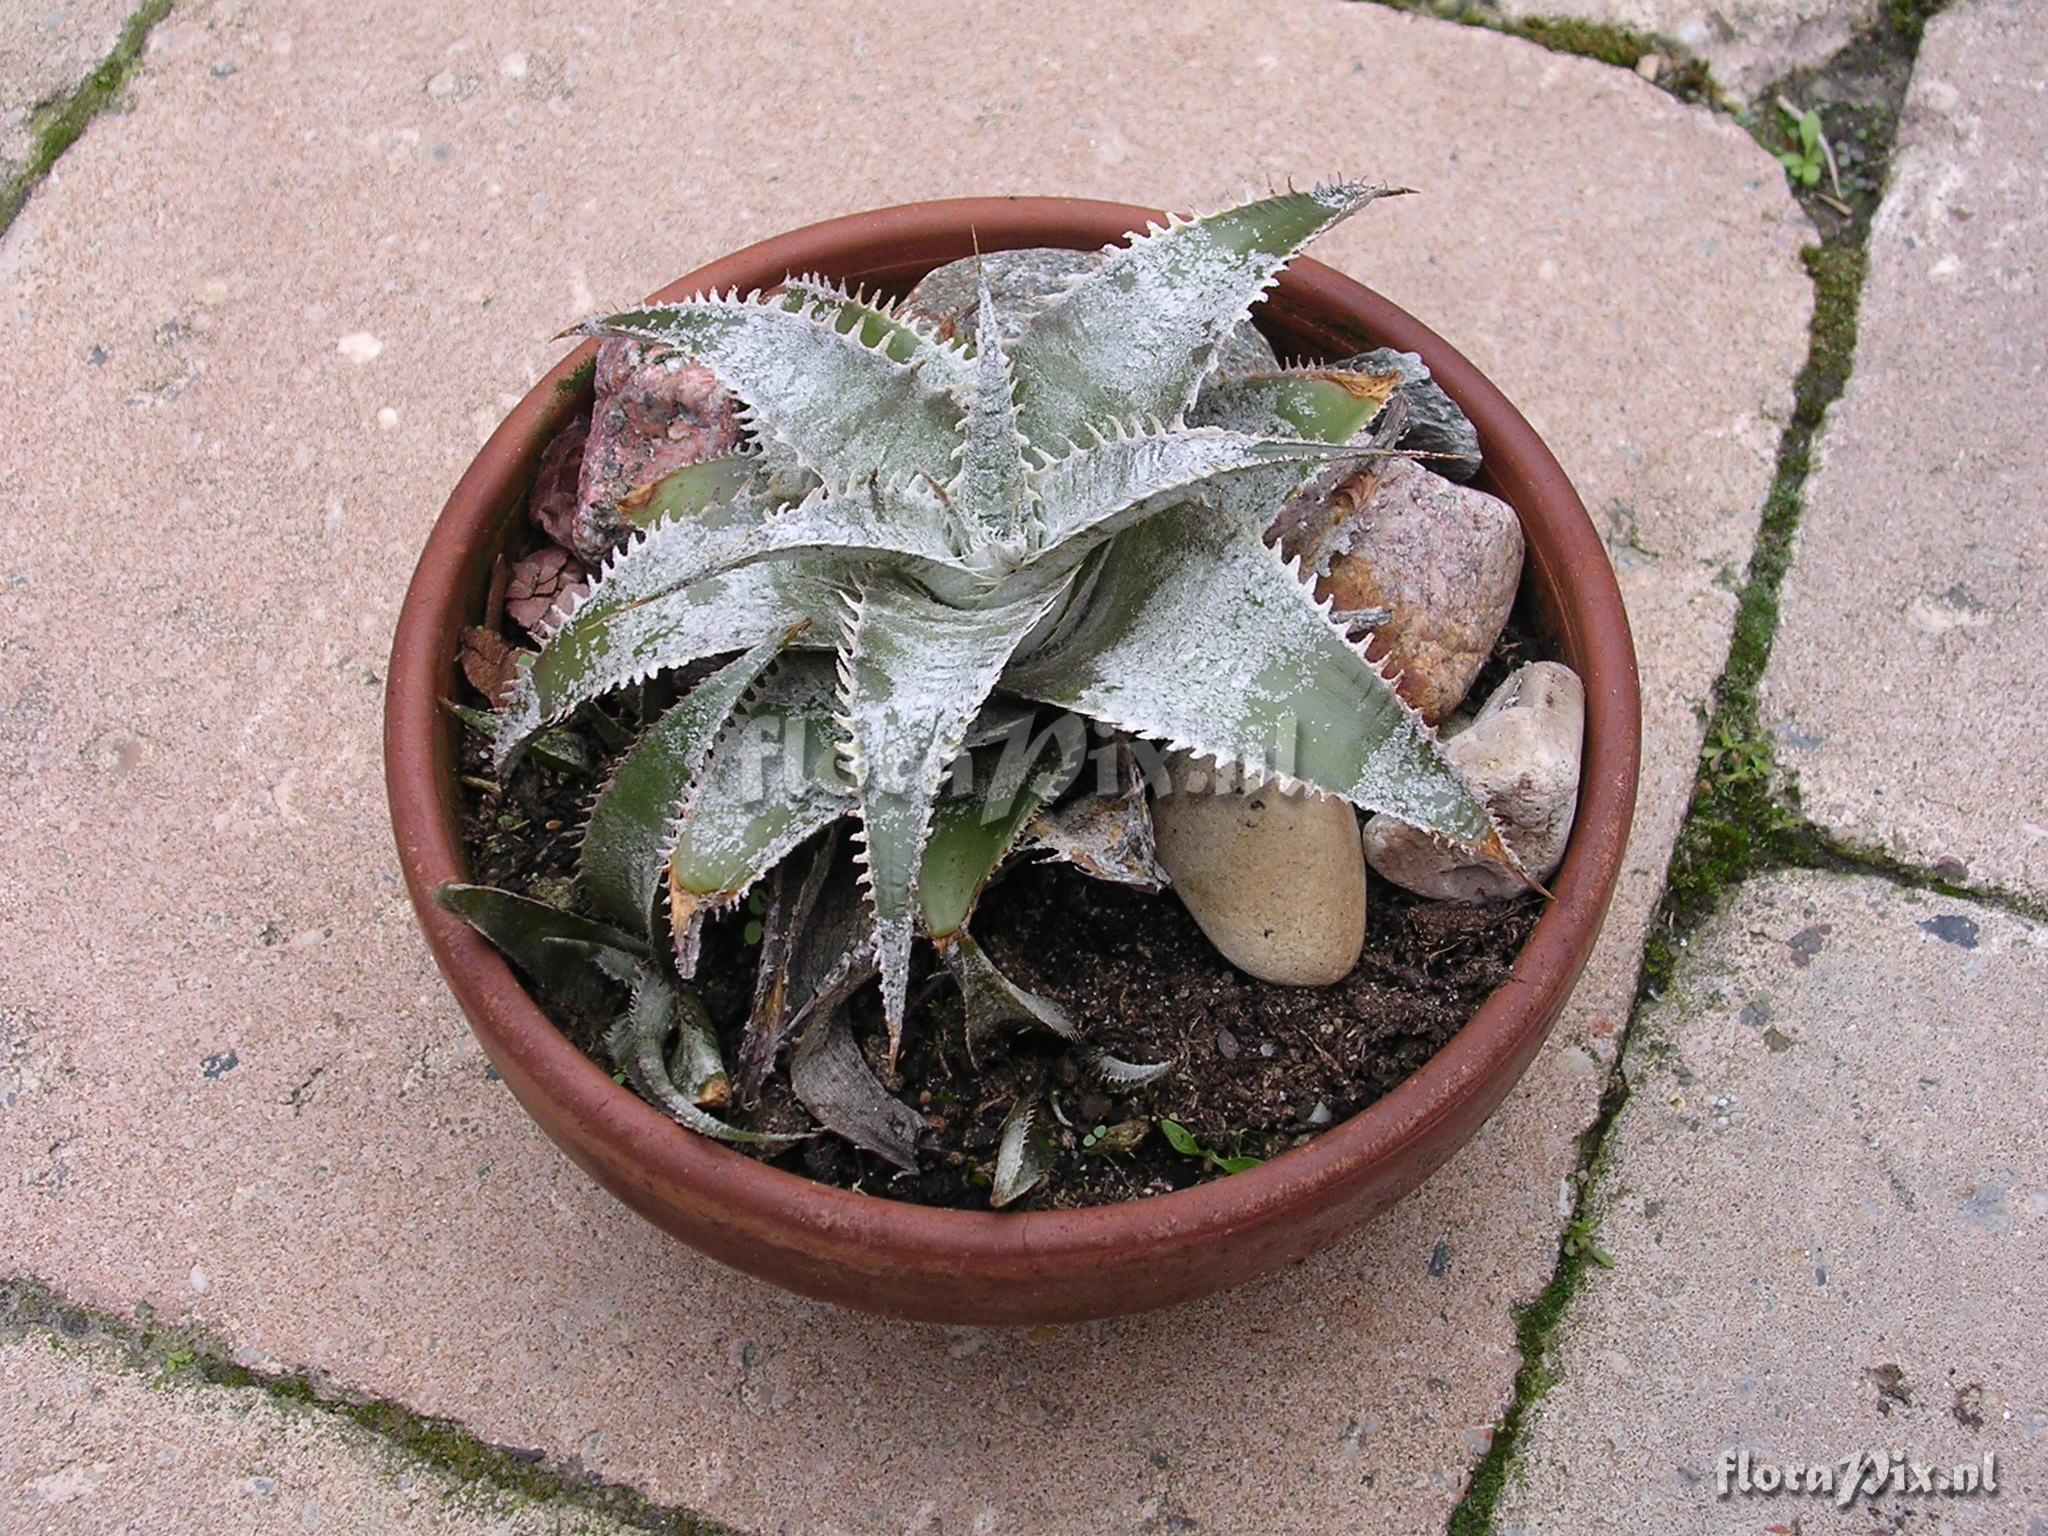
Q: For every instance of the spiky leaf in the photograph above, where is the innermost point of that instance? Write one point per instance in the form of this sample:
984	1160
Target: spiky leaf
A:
1199	636
880	325
914	674
1023	1154
772	782
990	999
1106	833
721	614
1328	405
692	491
847	410
992	491
623	860
1115	483
976	824
1134	338
558	949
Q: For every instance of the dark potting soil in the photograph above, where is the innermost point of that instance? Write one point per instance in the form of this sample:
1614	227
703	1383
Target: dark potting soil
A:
1256	1068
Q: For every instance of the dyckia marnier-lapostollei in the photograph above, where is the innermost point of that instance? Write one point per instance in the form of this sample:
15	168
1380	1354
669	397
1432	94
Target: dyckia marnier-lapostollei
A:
970	530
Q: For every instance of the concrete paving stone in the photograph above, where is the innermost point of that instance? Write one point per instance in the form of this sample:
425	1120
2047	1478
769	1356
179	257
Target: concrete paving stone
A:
1747	43
1907	688
89	1445
234	1088
1826	1200
46	48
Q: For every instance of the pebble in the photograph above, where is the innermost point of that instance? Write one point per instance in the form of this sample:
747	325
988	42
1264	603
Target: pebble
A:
1521	754
1431	569
1276	881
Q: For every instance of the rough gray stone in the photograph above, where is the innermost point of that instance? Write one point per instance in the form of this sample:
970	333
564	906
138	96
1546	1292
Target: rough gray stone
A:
1435	424
1521	755
89	1444
196	850
1748	43
1825	1209
1907	687
1276	880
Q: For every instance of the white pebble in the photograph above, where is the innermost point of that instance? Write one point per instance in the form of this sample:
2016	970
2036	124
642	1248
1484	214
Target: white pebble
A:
359	347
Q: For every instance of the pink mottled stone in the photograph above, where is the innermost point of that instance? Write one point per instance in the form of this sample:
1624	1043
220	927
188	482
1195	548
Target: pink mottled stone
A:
656	412
1436	564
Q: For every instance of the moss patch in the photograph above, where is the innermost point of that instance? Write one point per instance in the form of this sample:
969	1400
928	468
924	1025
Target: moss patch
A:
1744	817
56	125
1681	75
176	1354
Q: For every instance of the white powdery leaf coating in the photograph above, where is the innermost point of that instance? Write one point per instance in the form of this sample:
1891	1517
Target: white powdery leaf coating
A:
771	781
992	492
845	409
723	613
620	631
627	839
1200	636
912	678
1136	336
1099	490
907	338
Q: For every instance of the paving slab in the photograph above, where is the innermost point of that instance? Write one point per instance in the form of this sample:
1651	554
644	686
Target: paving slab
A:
1906	688
235	1090
89	1444
1748	43
47	47
1826	1202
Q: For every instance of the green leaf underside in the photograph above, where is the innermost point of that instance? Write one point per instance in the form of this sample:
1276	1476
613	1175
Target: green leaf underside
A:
1134	338
771	782
691	491
1199	636
974	829
1327	406
913	678
879	326
551	946
846	410
638	1045
625	847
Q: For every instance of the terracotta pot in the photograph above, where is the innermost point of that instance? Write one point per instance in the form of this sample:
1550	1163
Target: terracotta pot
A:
973	1267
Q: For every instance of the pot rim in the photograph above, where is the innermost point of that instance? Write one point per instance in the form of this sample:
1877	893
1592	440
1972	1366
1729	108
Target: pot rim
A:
518	1035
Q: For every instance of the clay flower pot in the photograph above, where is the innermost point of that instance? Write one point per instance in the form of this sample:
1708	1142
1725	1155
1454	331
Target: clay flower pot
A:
982	1267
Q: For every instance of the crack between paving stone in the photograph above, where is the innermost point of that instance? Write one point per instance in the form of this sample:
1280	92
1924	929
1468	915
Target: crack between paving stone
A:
56	124
178	1354
1745	818
1681	73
